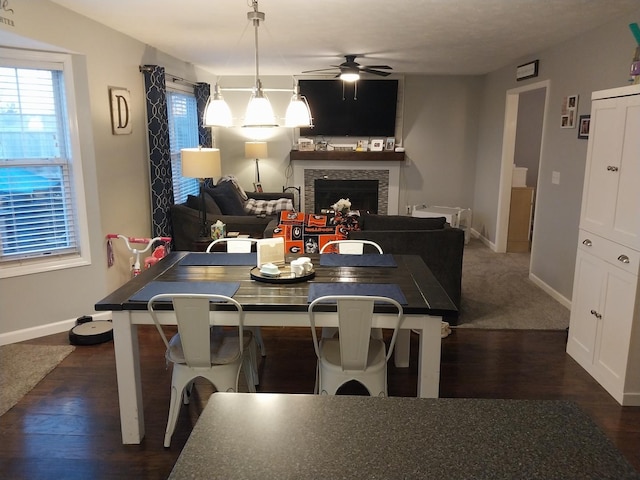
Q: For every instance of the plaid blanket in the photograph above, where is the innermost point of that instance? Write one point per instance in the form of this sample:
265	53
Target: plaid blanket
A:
267	207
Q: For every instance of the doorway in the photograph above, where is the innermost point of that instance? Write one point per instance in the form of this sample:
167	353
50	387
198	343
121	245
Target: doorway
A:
513	145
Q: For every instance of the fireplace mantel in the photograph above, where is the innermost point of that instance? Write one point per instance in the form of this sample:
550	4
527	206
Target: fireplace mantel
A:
384	156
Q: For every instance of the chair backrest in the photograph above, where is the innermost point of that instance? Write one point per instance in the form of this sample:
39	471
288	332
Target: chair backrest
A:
192	314
353	247
355	318
234	245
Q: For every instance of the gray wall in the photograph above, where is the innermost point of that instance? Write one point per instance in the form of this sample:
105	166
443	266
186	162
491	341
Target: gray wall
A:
597	60
529	133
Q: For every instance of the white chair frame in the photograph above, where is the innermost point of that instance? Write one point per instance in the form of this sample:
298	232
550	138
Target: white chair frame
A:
242	245
355	355
354	247
191	352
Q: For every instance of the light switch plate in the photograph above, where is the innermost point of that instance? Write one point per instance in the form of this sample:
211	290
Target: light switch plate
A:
555	178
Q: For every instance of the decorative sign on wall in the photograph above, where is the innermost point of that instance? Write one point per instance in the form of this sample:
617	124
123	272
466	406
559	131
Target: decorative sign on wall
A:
527	70
120	100
6	14
569	111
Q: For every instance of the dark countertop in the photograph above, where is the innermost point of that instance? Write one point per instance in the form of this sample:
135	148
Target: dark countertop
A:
280	436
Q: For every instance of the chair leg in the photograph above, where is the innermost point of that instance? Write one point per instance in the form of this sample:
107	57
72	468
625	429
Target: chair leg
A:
258	336
174	409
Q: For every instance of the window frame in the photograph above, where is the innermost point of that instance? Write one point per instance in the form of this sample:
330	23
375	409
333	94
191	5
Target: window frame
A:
82	257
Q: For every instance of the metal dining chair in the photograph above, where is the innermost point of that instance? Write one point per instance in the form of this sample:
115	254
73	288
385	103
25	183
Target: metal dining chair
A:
241	245
198	350
354	247
355	354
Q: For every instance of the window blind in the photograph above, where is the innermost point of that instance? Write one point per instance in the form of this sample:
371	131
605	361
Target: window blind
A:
183	133
37	211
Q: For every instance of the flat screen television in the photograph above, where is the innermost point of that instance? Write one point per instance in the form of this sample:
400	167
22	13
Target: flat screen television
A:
366	108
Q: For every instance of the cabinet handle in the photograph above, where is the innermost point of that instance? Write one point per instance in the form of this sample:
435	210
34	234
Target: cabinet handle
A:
587	242
598	316
623	259
611	168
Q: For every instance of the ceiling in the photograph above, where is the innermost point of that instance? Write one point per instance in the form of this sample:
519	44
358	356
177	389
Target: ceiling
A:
457	37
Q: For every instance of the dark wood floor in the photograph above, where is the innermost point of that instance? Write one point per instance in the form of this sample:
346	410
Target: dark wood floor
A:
68	426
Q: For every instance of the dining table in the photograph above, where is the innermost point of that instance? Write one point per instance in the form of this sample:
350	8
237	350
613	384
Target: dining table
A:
278	302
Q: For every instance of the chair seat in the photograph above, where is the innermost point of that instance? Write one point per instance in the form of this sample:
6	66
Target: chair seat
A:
224	346
330	354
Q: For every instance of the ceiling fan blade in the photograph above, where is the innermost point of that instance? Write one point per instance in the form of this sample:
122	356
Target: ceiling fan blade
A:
384	67
319	70
375	72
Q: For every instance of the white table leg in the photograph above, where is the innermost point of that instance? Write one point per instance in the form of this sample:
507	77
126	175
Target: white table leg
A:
429	358
125	341
402	349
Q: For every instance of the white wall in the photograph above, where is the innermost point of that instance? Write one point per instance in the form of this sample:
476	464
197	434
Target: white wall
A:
597	60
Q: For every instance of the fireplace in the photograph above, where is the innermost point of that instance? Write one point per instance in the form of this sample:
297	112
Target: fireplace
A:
363	194
386	173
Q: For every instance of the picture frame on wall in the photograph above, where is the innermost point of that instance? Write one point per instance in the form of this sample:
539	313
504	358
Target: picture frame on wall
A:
390	144
257	187
583	126
377	145
569	111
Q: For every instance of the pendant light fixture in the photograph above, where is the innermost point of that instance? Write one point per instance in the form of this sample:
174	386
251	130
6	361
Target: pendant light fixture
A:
259	113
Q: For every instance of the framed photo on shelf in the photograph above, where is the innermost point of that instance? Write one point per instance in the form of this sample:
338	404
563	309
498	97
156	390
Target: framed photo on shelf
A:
390	144
583	126
257	187
377	145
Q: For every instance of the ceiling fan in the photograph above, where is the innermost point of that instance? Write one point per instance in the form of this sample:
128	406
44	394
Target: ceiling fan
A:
350	70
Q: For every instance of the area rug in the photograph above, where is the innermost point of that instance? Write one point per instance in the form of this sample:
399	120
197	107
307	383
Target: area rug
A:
22	366
497	293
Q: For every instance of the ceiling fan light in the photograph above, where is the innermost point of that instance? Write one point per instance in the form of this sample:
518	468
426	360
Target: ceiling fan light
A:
217	112
298	112
349	76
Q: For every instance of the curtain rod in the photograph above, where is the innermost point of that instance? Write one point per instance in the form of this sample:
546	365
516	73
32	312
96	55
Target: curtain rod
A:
174	78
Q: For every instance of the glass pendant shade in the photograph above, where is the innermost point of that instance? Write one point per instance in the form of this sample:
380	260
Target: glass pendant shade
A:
217	112
350	74
298	112
259	112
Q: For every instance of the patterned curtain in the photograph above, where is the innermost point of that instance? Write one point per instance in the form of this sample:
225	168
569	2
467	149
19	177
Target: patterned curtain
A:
161	184
159	152
202	92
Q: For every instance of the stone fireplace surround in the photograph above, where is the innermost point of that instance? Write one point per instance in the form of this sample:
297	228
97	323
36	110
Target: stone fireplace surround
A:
305	172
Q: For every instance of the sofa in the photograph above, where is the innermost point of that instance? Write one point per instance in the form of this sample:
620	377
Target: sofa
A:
440	246
255	215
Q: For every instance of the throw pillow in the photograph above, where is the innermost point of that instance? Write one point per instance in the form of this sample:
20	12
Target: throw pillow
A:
227	198
210	204
236	184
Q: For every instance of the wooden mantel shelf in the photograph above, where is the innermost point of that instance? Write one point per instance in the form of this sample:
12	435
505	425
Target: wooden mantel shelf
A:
384	156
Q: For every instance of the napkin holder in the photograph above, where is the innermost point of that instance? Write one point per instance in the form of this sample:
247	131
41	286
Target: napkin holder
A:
270	250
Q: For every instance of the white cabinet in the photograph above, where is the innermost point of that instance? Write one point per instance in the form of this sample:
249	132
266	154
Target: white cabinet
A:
604	310
604	330
611	197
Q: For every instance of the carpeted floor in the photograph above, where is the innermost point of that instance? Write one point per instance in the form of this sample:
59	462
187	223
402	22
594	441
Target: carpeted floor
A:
23	366
497	293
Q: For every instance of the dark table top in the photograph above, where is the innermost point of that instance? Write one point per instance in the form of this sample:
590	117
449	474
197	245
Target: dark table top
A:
423	292
280	436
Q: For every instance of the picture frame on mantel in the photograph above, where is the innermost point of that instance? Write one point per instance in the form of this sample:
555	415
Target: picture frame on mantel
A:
377	145
390	144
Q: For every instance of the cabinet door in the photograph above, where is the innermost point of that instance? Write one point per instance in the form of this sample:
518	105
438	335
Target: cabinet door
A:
614	329
611	196
585	308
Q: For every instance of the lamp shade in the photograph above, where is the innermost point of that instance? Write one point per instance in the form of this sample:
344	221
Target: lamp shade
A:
259	112
201	162
298	113
255	150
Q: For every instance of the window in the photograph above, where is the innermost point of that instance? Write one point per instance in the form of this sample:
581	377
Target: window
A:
183	133
42	223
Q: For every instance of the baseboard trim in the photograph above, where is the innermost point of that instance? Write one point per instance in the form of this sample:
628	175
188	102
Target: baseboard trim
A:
564	301
483	239
44	330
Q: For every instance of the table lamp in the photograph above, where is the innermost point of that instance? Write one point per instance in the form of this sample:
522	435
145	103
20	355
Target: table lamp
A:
201	163
256	150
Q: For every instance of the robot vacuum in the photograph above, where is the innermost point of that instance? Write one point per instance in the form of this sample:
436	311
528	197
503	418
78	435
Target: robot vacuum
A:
88	332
